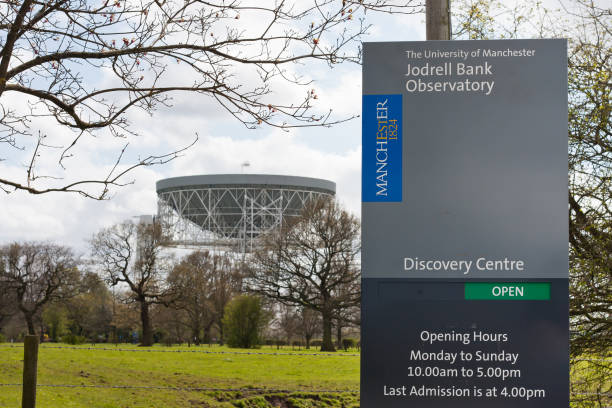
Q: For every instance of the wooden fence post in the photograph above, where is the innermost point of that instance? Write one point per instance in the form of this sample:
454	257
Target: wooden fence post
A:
30	366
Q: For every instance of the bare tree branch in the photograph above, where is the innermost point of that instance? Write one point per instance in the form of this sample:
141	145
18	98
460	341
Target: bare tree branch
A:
238	54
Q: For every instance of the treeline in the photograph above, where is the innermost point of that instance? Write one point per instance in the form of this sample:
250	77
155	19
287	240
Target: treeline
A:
299	288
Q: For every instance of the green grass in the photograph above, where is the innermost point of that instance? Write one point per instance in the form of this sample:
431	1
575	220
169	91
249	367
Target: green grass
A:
303	373
307	375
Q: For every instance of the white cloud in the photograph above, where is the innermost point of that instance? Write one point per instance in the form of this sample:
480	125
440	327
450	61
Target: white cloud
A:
71	220
277	153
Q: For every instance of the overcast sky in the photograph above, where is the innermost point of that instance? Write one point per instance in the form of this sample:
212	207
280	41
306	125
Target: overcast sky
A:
330	153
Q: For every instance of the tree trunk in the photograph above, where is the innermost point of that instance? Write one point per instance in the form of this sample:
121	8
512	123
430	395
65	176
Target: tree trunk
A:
147	330
308	342
328	344
30	322
195	334
339	334
221	339
207	334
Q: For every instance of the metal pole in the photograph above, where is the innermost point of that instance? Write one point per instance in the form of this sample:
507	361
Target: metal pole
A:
438	19
30	366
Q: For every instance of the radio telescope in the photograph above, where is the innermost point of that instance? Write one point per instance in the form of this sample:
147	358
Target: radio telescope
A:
232	210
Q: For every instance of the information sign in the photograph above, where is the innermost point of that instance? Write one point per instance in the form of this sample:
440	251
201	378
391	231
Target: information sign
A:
465	235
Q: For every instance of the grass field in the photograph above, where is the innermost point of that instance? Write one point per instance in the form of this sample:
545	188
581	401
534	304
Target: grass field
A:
306	374
294	379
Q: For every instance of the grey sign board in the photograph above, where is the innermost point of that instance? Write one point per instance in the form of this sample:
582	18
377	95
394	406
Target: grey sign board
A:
464	190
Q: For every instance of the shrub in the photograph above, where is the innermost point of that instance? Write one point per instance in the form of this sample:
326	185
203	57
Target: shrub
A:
243	322
73	339
348	343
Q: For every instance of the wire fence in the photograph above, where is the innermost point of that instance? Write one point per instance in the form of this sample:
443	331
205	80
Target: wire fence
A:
155	350
190	389
271	353
210	389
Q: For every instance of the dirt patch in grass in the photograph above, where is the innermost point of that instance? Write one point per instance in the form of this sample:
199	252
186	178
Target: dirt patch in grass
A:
298	400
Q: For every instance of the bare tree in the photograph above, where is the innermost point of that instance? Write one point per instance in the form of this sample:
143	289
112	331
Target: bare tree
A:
202	284
288	321
8	302
35	274
226	280
309	261
309	325
350	315
235	52
174	324
131	255
90	313
126	317
189	283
